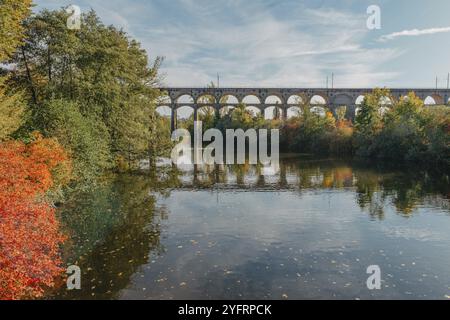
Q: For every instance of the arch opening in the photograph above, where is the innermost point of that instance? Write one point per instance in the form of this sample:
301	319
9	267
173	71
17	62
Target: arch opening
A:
227	110
320	111
186	98
273	113
273	100
318	100
253	110
205	111
385	101
295	100
343	100
429	101
294	112
206	99
360	100
164	111
229	99
184	113
433	100
251	99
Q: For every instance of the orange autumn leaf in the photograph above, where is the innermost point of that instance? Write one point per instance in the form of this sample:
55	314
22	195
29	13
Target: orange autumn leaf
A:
29	230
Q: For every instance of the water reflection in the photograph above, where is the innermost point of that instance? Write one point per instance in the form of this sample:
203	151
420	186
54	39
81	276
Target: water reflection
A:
231	232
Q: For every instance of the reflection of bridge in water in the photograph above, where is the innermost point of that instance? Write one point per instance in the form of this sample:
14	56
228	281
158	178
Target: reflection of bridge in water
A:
282	99
250	178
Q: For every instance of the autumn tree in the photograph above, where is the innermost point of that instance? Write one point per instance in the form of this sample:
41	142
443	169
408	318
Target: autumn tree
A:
29	231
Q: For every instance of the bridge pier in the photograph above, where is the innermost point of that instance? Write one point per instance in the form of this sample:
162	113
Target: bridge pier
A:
284	115
173	119
350	113
195	113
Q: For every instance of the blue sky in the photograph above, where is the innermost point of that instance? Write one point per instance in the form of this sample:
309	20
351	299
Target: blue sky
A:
286	43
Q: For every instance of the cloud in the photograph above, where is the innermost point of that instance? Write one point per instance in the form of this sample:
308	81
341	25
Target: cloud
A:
252	43
249	45
413	33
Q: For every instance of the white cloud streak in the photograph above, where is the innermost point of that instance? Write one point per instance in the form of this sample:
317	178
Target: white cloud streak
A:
413	33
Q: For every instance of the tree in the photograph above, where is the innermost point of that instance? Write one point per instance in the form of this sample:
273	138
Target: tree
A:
29	231
85	138
99	69
11	111
12	13
369	121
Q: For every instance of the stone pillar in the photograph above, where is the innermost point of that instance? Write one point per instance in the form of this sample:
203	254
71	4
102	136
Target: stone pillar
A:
173	118
217	111
350	113
195	113
284	111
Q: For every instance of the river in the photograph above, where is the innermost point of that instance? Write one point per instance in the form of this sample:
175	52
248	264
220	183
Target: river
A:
309	232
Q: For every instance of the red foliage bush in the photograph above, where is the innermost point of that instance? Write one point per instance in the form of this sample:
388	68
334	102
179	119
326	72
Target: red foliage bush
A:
29	230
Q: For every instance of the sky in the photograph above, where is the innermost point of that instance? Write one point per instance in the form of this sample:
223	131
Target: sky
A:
286	43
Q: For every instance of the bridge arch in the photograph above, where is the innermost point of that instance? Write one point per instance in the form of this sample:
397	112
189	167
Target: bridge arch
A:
386	101
319	110
318	100
206	99
273	100
205	110
184	112
226	110
251	99
342	100
296	99
273	113
433	99
184	99
293	112
255	111
164	111
228	99
360	99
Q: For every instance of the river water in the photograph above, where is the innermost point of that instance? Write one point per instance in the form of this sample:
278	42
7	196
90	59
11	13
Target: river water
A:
308	232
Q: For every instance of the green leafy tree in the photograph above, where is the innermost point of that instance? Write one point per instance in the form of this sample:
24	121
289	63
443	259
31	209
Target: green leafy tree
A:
12	14
85	138
102	71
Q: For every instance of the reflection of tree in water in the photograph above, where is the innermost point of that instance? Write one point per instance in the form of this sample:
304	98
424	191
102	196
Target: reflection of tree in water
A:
375	188
114	230
405	190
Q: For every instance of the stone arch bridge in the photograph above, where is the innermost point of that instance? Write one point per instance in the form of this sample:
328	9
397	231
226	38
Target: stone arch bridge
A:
282	99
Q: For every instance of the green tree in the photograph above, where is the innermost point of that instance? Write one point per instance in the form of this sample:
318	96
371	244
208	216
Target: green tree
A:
369	120
102	71
12	14
84	137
